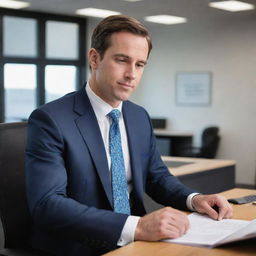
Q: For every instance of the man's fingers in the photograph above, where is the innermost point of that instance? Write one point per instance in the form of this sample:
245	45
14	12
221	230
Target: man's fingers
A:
162	224
216	206
173	232
213	213
225	212
181	222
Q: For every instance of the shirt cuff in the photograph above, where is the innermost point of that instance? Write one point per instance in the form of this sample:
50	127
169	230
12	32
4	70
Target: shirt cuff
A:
189	201
127	235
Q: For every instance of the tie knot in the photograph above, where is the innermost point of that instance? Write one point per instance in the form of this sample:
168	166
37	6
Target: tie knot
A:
114	115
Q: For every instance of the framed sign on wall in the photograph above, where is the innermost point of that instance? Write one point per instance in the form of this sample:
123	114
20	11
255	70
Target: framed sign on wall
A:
193	88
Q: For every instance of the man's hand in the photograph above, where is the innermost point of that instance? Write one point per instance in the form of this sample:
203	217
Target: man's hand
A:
162	224
216	206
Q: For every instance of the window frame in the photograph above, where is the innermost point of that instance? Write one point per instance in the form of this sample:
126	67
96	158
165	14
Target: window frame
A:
41	61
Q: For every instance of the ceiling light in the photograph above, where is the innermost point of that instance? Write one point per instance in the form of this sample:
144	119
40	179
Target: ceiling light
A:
13	4
165	19
232	6
132	0
99	13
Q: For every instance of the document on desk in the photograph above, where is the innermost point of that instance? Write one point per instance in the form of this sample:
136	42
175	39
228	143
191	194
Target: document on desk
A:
206	232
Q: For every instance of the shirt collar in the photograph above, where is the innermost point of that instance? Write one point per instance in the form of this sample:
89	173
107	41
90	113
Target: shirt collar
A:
100	107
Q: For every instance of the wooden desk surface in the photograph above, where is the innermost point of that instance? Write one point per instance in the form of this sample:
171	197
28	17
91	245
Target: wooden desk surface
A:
196	164
245	248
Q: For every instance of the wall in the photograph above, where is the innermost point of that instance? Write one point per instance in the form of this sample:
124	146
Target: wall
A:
227	48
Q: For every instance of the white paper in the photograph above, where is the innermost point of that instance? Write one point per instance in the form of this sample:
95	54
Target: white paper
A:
205	231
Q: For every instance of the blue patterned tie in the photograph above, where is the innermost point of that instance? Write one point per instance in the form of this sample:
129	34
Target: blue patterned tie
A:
119	182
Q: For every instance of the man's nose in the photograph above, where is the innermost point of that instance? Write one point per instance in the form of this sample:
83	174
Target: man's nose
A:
130	72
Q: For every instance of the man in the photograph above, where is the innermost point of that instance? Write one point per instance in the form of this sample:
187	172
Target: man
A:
87	169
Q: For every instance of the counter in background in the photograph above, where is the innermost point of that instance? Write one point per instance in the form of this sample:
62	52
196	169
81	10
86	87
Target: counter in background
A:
204	175
172	143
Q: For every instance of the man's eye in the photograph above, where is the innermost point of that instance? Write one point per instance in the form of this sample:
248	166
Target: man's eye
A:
140	65
121	60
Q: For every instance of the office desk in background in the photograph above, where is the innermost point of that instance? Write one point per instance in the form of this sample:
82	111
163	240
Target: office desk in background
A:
243	248
206	176
172	142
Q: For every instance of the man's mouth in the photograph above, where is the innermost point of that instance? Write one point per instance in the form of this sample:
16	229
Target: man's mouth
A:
125	84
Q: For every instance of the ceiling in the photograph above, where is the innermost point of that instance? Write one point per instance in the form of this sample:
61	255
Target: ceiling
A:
193	10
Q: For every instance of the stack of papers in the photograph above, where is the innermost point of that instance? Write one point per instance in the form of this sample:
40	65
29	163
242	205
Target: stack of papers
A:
207	232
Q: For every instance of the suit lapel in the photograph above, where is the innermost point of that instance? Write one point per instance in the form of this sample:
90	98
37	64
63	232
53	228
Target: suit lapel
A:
90	131
133	143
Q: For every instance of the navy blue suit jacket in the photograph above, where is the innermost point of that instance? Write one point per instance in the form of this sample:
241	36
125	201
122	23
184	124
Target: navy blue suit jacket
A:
68	179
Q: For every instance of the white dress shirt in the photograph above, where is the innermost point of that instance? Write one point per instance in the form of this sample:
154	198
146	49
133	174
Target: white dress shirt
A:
101	109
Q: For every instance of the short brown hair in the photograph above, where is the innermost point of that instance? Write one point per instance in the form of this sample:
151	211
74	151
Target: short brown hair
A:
117	23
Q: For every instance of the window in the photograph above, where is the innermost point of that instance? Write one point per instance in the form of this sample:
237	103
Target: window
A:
42	58
20	93
59	80
19	37
61	40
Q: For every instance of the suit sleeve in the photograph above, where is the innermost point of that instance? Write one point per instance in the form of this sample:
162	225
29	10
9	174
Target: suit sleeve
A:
161	185
51	208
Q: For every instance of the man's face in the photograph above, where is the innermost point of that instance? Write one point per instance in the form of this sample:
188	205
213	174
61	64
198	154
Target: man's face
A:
118	74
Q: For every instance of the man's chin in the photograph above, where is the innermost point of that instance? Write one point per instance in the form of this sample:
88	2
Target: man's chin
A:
124	98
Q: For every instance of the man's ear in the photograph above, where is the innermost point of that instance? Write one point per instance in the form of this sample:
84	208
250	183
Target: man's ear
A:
94	58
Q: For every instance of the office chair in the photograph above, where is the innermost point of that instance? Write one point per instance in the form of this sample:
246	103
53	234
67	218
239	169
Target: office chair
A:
159	123
210	143
14	213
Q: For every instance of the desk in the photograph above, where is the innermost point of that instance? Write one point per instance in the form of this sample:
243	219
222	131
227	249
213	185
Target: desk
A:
204	175
245	248
176	141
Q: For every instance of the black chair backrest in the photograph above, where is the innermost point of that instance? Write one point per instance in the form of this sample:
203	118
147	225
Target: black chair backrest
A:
158	123
210	142
14	211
